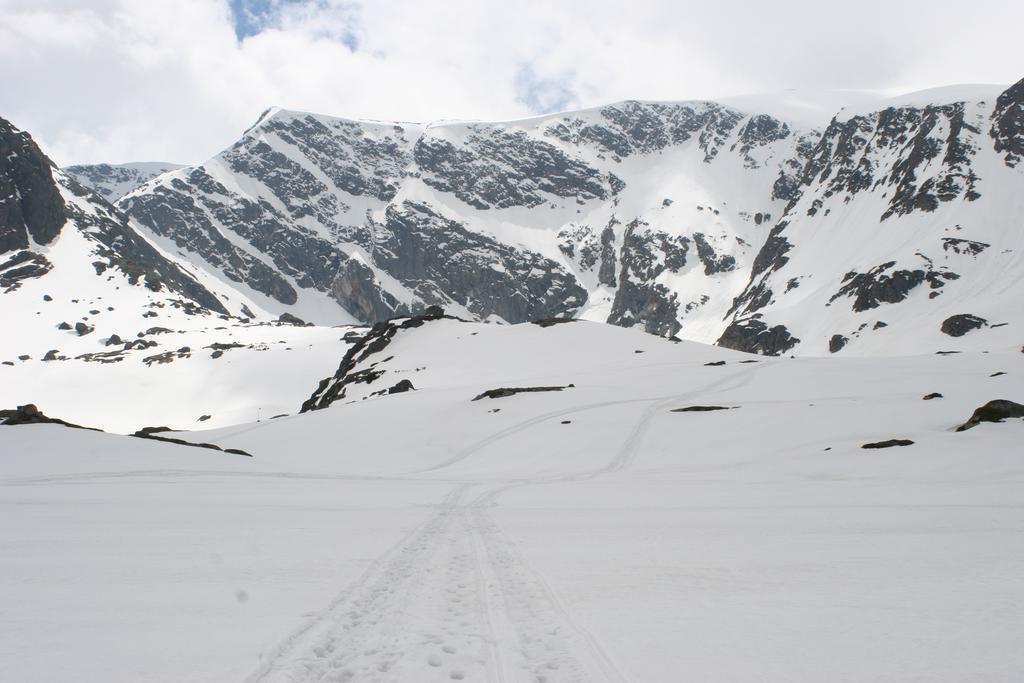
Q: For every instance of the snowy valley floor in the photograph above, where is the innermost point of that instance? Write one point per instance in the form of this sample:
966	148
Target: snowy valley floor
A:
587	534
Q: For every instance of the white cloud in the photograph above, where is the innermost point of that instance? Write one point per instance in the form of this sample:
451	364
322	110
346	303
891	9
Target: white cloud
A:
120	80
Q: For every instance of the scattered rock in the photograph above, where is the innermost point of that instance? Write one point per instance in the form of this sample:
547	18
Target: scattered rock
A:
961	324
51	354
289	319
47	297
113	340
888	444
63	326
997	374
753	335
993	411
82	329
203	418
24	357
402	387
716	362
879	325
548	322
932	395
837	342
567	422
504	392
701	409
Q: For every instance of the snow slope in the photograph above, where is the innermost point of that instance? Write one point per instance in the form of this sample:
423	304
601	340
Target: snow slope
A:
587	534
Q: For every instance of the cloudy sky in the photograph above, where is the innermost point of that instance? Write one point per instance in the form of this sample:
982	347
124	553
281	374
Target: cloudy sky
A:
178	80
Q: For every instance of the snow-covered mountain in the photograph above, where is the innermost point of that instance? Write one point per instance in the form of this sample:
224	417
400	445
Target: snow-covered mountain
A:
76	278
113	181
696	219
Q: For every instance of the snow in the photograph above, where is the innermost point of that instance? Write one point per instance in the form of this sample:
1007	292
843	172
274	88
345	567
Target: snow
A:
588	534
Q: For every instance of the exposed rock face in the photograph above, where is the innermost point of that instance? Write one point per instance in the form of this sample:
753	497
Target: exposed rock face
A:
962	323
878	286
1007	130
993	411
640	300
387	220
113	181
442	261
498	168
41	201
837	342
684	218
910	175
30	205
333	389
754	336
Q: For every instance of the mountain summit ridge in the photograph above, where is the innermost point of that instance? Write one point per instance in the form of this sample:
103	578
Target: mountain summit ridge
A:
668	215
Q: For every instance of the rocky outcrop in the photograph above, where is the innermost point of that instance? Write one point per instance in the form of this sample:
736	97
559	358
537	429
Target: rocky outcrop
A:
31	207
962	323
1007	131
442	261
993	411
41	201
334	388
753	335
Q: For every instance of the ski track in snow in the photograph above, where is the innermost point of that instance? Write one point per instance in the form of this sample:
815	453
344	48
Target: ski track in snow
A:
456	600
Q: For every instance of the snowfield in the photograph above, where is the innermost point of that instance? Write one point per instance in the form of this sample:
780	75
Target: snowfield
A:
592	533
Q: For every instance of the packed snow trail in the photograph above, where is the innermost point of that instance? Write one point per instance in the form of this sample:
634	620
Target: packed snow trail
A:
456	600
452	601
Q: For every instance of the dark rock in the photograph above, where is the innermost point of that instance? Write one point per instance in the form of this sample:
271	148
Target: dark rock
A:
222	346
961	324
929	397
997	374
47	297
505	392
203	418
716	362
837	342
713	262
64	326
34	209
888	444
752	335
402	386
375	340
701	409
24	357
441	260
645	255
113	340
290	319
993	411
961	246
1007	130
879	325
548	322
51	355
30	414
159	359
